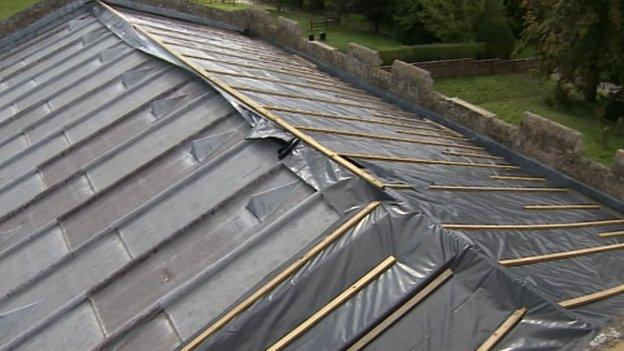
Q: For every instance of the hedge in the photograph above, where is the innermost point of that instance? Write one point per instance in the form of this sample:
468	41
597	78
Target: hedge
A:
432	52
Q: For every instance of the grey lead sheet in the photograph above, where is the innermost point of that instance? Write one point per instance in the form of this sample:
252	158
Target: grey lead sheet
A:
464	311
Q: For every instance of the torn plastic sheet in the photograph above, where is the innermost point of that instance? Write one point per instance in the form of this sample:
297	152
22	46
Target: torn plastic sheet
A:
459	315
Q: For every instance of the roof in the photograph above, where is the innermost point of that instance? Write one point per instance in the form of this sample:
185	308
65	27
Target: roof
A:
169	184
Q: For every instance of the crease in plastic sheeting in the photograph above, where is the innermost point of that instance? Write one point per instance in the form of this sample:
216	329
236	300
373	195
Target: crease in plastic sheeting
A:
263	204
204	147
389	289
316	169
9	319
264	128
349	194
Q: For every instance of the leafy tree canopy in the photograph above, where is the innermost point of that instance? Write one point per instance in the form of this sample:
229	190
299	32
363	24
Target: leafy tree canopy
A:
451	21
581	40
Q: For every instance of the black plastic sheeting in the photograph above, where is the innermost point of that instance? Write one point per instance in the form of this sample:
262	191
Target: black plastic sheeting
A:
465	310
458	316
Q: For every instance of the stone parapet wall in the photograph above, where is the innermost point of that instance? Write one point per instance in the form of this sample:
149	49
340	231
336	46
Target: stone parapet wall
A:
539	138
471	67
561	148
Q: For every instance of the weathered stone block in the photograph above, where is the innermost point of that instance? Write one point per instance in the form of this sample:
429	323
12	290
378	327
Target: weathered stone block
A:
289	34
362	55
410	83
339	60
468	114
591	173
261	23
546	136
320	51
290	26
365	64
503	132
475	118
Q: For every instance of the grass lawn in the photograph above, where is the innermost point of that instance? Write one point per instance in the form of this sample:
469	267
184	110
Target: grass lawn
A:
9	7
510	95
352	29
225	7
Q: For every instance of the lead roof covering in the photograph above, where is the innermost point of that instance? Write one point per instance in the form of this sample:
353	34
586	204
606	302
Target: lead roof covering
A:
139	204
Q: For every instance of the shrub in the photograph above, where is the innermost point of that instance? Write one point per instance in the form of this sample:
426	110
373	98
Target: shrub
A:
432	52
614	105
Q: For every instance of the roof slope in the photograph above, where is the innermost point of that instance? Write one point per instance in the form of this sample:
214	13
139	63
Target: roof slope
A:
142	207
125	180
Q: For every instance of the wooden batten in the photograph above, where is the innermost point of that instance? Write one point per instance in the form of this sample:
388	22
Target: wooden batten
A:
387	122
612	234
254	105
281	277
518	178
331	88
533	226
467	154
402	310
333	304
382	137
562	207
502	330
491	188
597	296
428	135
310	98
426	161
560	255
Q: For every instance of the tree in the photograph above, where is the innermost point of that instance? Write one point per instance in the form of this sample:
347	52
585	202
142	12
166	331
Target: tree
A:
451	21
286	4
495	31
313	5
515	12
581	40
408	24
340	7
375	11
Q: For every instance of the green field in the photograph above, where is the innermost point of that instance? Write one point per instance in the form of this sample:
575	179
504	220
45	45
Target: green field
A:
352	29
224	6
9	7
510	95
